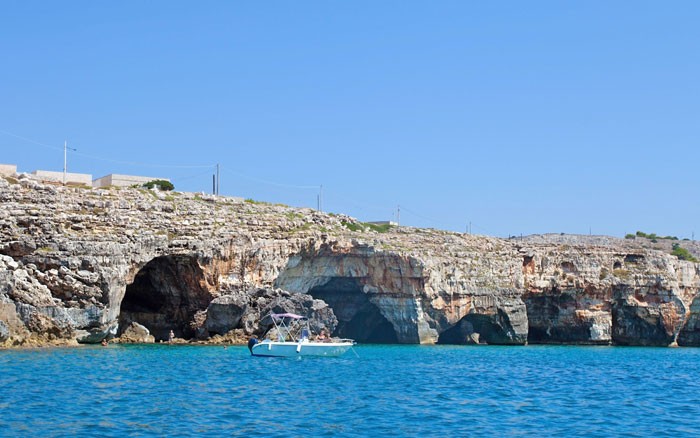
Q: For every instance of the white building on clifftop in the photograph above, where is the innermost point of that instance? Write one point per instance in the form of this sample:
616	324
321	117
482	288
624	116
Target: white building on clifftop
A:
117	180
8	169
57	177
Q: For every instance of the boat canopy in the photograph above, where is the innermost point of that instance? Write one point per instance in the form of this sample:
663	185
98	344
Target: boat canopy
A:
279	316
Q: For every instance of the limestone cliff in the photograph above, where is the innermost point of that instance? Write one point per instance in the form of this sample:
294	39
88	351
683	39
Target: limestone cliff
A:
80	264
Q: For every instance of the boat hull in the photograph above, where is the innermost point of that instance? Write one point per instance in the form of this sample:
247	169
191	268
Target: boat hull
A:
294	349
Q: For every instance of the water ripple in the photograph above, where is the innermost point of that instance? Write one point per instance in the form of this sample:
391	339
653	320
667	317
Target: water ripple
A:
389	390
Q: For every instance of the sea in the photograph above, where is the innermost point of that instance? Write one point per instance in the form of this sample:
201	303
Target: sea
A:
373	390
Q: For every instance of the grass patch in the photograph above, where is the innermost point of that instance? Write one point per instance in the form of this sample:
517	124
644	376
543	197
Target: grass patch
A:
364	226
148	192
293	215
307	226
254	202
352	226
621	273
383	228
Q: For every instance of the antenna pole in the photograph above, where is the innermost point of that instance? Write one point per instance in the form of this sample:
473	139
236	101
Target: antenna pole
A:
398	215
65	160
320	198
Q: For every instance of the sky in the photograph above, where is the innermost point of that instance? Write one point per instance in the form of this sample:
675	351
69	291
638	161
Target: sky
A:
515	117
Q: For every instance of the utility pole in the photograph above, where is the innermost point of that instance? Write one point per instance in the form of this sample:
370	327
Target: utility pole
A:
65	159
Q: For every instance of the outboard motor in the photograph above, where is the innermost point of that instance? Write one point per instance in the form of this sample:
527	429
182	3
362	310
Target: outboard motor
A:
251	343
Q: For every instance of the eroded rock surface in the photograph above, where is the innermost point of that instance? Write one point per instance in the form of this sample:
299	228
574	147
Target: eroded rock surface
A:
84	264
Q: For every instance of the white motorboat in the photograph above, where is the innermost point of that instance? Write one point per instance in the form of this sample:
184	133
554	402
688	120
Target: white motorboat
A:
294	338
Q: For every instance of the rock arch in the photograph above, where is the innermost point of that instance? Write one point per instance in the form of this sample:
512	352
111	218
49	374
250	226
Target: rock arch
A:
165	295
375	297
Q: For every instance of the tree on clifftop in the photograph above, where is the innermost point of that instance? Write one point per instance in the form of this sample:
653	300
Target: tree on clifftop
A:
161	184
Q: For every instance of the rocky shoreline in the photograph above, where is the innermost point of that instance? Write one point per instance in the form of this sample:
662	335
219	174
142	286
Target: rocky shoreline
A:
79	265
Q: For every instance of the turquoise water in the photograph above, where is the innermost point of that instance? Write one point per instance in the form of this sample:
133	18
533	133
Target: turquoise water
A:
388	390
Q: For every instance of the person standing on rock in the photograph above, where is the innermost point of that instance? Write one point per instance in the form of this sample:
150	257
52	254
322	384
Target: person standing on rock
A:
171	337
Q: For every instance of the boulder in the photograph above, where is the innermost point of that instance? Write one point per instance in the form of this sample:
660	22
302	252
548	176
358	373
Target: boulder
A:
135	333
224	313
319	314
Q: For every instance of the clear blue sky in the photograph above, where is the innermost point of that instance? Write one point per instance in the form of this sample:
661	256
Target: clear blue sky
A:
519	116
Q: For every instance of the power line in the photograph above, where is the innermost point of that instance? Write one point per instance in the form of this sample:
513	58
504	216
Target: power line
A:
272	183
423	217
188	177
31	141
136	163
130	163
240	174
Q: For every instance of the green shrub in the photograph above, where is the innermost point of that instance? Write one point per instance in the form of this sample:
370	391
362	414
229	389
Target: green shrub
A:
630	236
651	236
682	253
161	184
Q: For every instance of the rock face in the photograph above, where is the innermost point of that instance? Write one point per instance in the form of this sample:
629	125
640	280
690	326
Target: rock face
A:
607	294
4	332
86	264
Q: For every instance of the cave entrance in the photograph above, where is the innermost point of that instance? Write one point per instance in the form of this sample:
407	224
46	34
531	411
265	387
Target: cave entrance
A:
476	329
165	295
358	318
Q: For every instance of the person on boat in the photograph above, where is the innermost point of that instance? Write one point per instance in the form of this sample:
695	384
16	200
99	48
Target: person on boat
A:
322	337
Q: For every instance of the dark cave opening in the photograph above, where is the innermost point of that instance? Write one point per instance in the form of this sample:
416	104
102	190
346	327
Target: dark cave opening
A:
165	295
477	329
358	317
